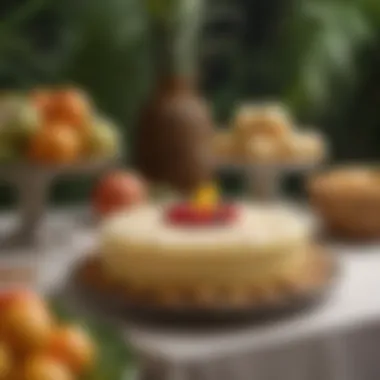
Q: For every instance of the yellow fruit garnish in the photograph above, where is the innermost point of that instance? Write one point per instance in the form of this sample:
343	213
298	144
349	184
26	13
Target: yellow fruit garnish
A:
206	197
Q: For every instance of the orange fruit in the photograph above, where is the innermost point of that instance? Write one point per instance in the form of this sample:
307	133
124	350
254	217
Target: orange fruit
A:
26	325
70	106
72	346
41	99
5	361
55	145
40	367
11	297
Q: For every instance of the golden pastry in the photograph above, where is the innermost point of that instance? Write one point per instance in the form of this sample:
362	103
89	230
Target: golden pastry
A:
303	146
263	149
270	120
348	201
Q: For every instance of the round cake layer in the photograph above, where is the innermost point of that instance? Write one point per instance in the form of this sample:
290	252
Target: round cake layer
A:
265	242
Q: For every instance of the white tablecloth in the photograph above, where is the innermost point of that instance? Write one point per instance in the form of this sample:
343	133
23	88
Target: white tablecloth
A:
340	340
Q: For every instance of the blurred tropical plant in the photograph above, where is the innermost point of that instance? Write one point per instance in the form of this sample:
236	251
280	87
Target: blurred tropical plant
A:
100	45
318	56
308	53
304	51
327	35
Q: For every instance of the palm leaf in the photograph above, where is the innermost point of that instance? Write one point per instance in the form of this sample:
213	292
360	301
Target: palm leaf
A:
336	32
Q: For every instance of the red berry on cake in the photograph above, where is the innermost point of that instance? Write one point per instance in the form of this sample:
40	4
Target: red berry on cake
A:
204	209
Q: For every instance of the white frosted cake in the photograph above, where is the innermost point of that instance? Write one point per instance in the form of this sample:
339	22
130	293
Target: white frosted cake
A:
264	248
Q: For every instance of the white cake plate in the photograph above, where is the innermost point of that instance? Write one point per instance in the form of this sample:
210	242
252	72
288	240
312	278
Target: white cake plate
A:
33	183
264	179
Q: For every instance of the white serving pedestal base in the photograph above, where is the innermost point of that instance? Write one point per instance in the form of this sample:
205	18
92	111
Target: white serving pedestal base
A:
264	180
33	183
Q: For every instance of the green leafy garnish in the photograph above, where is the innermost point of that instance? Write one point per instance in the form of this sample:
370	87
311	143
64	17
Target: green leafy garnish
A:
115	360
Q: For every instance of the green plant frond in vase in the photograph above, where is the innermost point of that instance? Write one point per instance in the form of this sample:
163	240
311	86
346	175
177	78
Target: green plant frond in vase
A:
161	9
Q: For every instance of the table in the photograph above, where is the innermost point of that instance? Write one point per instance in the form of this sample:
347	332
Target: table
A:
339	341
68	236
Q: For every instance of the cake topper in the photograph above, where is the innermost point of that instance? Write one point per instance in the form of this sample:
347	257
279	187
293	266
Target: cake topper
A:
206	197
204	208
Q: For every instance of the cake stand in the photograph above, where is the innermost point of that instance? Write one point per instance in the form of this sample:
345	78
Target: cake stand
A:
89	287
33	182
264	179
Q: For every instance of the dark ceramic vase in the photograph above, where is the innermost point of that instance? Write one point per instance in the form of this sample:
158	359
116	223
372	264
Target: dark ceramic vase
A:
173	137
174	134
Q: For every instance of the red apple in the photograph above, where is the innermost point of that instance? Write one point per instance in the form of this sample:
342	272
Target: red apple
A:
117	191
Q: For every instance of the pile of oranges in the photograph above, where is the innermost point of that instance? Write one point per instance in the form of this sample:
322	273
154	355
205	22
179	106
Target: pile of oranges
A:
34	346
69	128
54	126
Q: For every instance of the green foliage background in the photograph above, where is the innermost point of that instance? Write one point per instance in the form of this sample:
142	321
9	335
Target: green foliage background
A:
318	56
